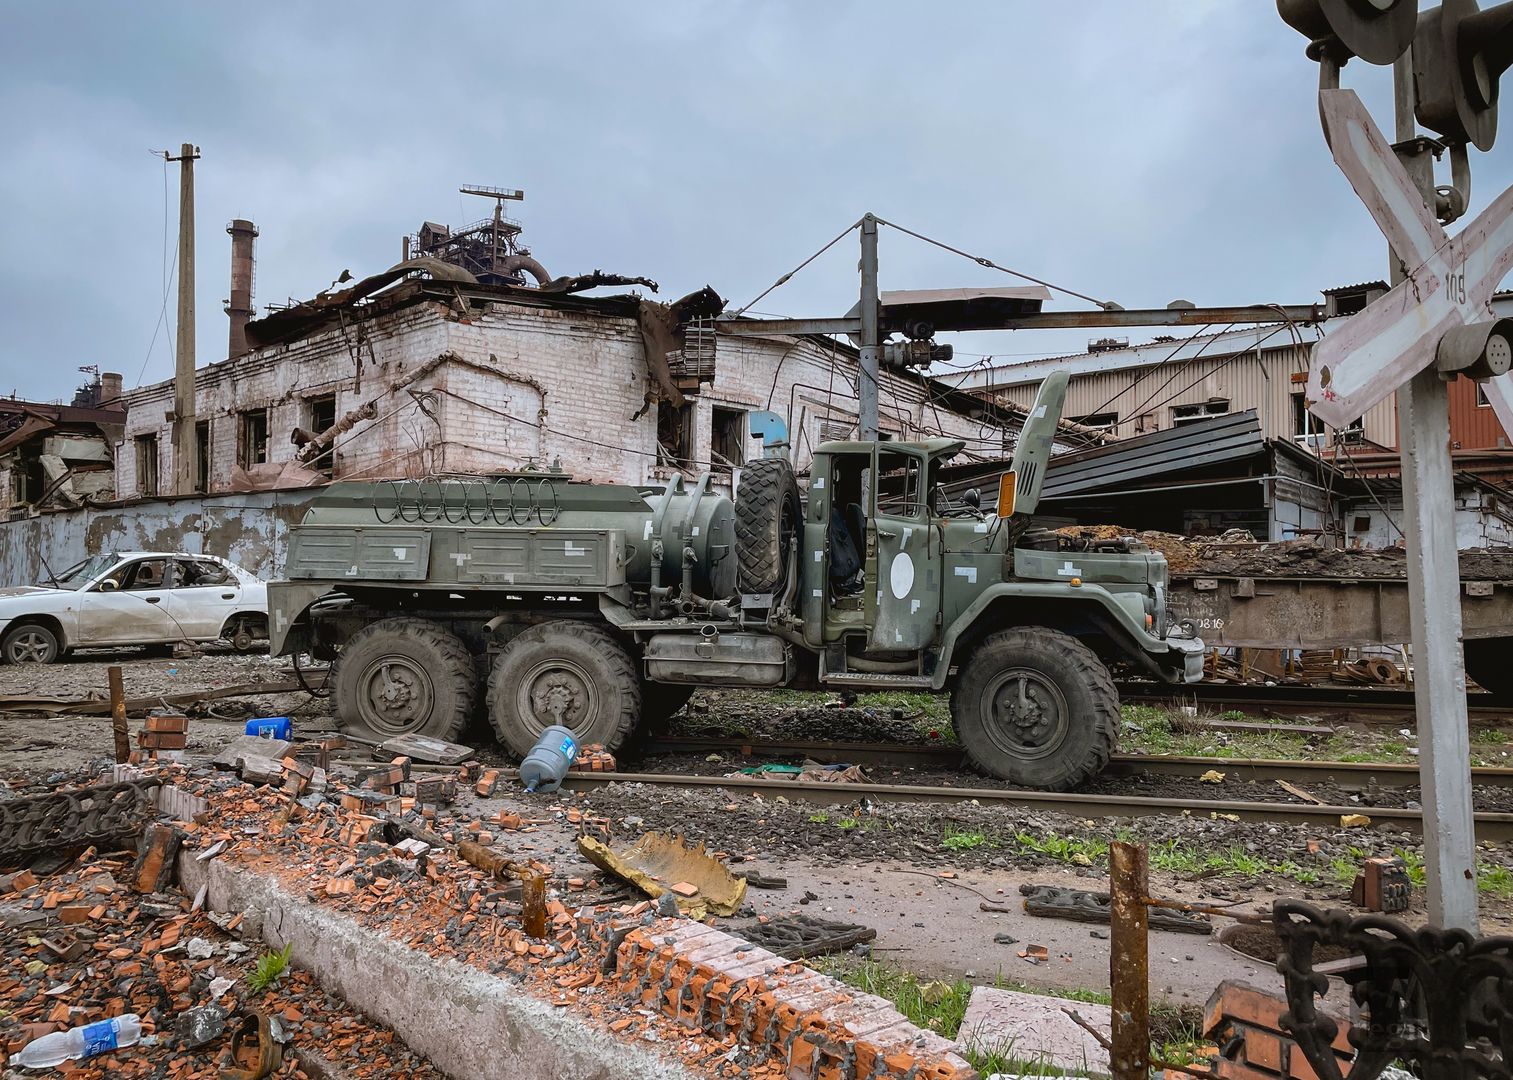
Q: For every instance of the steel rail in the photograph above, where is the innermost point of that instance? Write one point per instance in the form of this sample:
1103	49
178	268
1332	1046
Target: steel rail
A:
1490	826
1351	699
1344	773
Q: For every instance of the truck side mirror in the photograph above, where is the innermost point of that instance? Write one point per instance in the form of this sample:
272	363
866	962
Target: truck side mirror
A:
973	498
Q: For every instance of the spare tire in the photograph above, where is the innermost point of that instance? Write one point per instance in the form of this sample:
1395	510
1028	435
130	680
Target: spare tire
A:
767	516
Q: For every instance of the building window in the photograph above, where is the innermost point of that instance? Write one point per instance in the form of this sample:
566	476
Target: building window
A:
202	455
147	464
320	415
1302	423
727	443
1103	421
252	438
1201	410
675	434
1481	397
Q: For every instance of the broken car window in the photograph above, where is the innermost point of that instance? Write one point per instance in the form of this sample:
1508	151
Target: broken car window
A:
145	574
82	573
201	573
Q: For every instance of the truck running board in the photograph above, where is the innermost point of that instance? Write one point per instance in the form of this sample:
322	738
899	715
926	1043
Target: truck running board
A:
871	678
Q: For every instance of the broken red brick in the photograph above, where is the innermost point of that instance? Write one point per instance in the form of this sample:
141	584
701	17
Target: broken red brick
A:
487	782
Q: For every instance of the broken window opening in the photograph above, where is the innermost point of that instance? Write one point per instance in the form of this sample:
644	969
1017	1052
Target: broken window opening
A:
675	434
1200	410
252	438
1103	421
727	446
147	464
202	455
320	415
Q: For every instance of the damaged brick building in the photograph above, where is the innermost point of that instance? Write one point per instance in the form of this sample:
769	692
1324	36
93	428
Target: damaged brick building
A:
419	372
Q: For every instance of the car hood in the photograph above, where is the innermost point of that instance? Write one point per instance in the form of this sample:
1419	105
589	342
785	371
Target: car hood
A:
24	590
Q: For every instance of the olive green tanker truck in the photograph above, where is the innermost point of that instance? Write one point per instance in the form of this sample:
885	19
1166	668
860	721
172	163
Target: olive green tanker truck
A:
601	607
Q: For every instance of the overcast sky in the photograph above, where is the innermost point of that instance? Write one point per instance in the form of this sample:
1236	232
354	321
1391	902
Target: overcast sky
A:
1136	151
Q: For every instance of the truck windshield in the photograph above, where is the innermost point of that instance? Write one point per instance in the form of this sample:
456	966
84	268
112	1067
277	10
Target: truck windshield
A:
81	574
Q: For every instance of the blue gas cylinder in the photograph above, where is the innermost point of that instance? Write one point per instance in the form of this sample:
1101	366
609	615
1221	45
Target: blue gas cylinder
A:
548	762
271	727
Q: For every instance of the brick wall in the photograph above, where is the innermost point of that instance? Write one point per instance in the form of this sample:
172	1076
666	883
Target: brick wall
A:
526	385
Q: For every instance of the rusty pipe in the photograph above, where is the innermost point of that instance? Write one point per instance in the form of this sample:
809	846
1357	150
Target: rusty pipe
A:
515	263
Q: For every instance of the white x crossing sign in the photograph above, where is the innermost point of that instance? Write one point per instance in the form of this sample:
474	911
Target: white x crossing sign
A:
1449	282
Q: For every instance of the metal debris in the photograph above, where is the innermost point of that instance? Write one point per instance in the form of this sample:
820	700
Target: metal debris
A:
797	937
100	815
1053	901
657	862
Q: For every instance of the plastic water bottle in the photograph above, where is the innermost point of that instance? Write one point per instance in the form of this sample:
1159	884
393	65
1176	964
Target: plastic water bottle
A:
548	762
102	1037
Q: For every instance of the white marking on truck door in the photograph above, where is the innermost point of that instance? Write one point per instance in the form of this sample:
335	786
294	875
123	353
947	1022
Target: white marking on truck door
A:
1068	570
908	532
968	572
1038	413
646	530
695	531
818	484
913	606
980	527
901	575
400	552
570	548
461	557
819	556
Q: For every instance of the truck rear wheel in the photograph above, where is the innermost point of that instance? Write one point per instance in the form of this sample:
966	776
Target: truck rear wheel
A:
1036	707
564	673
767	514
404	676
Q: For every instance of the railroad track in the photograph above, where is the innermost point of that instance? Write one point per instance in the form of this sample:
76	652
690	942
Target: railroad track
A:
1490	826
1355	702
1348	774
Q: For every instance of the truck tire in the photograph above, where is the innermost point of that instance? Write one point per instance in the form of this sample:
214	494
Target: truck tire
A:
404	676
564	673
1036	707
659	701
1488	662
767	514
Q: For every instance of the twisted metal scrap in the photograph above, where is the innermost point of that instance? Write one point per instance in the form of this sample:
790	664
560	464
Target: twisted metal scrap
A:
1439	999
101	814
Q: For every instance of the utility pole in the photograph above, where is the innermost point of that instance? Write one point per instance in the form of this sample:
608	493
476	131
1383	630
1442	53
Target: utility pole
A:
867	391
185	453
1439	669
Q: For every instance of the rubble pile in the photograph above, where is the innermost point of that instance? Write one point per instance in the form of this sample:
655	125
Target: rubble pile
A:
1237	554
431	876
82	946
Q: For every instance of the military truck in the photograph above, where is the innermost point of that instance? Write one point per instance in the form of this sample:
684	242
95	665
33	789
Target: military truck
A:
601	607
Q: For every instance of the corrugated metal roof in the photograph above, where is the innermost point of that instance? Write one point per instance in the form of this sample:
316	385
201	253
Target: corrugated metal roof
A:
1130	463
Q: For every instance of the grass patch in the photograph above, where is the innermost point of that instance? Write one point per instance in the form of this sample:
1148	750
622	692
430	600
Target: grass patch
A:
939	1006
270	968
1494	881
959	839
820	818
1077	850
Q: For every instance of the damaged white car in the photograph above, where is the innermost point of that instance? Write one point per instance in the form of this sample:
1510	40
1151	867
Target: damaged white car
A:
132	598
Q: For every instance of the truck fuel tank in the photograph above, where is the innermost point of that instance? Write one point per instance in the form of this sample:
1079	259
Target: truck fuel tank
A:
719	657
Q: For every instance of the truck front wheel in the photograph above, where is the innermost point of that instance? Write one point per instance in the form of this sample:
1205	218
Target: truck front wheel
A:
1036	707
404	676
564	673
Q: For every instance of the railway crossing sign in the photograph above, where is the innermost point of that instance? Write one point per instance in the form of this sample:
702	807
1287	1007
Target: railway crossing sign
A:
1448	280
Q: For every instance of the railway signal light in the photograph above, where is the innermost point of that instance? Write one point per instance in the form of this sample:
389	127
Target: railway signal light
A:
1378	31
1459	54
1479	351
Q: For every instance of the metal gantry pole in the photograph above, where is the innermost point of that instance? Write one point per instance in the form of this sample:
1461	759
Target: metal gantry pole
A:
1439	672
867	391
184	450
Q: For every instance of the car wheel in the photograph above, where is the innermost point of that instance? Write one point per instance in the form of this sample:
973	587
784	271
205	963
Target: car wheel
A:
30	643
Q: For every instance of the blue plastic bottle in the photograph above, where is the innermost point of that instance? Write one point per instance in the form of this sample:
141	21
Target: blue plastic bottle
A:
548	762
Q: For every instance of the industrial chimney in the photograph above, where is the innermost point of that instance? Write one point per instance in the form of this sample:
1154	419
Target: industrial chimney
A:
239	307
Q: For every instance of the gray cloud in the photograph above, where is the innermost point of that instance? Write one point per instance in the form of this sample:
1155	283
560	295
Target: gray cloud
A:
1136	151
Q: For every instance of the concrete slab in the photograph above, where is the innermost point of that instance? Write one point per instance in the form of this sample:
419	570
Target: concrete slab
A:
1032	1028
470	1024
